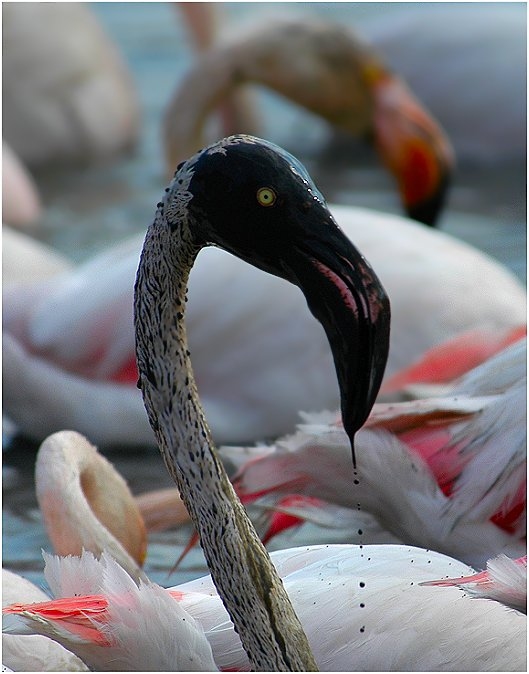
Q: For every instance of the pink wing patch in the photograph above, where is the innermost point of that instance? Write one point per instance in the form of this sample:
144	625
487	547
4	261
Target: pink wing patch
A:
450	360
77	615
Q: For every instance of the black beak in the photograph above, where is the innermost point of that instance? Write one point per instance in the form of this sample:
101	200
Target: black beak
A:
297	238
345	295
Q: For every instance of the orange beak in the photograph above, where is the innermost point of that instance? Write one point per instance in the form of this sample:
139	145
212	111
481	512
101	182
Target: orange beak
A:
413	147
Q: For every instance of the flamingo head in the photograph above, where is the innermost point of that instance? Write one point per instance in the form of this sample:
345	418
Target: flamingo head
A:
258	202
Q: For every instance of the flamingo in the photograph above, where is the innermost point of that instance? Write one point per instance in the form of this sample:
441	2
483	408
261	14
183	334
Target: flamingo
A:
330	71
175	642
444	52
429	470
68	358
212	197
169	634
76	100
86	506
365	608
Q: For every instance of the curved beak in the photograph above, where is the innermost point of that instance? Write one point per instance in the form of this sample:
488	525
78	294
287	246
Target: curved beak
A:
346	296
413	147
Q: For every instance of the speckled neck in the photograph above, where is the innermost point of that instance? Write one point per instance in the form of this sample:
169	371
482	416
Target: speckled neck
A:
245	578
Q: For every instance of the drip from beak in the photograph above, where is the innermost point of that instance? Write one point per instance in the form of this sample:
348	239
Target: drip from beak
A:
413	147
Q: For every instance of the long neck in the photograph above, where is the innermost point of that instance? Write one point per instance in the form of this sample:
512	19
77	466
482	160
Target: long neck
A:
92	508
245	578
334	84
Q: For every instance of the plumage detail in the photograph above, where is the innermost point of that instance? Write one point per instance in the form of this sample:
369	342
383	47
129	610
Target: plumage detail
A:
428	470
504	580
364	608
124	627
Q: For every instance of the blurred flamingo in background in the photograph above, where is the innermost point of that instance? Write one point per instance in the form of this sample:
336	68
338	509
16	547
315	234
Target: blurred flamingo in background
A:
68	342
68	98
445	52
327	69
467	64
76	102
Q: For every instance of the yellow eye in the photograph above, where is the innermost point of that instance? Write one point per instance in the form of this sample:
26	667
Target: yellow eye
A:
266	196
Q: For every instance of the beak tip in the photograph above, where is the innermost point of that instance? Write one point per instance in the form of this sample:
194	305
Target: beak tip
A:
428	209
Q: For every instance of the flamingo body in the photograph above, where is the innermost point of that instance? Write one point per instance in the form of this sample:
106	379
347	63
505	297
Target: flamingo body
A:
76	100
68	345
363	609
132	611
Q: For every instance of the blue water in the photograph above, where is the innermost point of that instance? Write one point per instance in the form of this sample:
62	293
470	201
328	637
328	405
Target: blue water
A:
88	209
